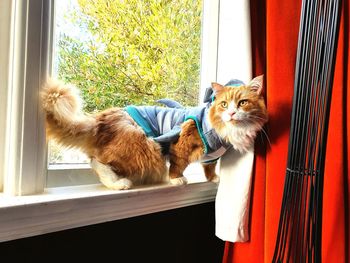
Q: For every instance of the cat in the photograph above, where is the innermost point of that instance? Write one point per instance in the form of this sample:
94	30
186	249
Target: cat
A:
131	146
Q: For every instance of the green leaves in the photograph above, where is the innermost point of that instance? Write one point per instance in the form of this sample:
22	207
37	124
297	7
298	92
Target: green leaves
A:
140	51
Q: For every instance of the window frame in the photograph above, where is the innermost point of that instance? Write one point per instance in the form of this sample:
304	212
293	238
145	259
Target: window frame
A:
26	206
5	29
24	135
74	174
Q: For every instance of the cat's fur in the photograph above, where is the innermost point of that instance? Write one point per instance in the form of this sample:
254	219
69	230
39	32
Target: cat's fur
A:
121	153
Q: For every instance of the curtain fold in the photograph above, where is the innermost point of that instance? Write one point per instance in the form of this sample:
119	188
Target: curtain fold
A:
275	28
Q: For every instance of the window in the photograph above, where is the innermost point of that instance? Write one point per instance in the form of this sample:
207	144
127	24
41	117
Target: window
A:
117	58
26	37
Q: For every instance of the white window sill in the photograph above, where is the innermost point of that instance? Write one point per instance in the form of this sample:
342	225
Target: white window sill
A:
74	206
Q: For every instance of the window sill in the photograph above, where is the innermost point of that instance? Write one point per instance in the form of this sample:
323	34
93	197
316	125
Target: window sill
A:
75	206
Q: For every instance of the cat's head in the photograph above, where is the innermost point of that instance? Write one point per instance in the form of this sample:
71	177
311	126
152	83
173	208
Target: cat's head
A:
238	113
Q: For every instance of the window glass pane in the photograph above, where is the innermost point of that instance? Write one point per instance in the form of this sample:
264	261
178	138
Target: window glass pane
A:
127	52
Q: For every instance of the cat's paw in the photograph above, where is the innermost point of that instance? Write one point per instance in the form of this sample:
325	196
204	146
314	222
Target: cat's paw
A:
216	179
120	184
178	181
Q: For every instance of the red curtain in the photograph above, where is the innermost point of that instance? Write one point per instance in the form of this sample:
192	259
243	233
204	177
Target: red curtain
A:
275	27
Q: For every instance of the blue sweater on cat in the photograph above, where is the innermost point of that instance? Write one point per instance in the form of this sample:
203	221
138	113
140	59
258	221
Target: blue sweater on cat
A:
163	124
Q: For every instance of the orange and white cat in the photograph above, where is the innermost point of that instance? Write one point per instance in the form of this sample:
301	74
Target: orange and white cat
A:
130	146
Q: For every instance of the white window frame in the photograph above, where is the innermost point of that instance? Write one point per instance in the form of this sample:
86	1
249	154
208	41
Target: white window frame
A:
24	135
70	174
27	208
5	29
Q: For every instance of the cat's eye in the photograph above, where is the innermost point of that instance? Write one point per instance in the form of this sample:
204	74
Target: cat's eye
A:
242	103
224	104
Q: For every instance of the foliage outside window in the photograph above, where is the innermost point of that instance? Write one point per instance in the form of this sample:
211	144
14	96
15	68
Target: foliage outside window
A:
133	52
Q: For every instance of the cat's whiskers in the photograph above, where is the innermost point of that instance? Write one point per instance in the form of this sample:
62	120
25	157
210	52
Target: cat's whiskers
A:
267	137
257	117
240	136
262	128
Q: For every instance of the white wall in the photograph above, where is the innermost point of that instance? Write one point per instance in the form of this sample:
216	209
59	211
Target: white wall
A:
226	42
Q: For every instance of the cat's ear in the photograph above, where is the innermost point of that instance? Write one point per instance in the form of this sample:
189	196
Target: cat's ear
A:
256	84
216	86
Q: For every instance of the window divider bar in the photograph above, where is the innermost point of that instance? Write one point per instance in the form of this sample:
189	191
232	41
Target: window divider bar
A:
25	157
5	32
209	42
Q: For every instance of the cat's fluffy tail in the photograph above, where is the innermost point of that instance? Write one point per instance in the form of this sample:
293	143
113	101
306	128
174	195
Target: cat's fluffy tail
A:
66	123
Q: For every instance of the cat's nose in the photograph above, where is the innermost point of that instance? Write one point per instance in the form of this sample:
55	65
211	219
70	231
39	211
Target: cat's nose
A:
232	112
